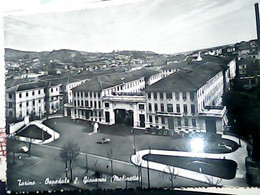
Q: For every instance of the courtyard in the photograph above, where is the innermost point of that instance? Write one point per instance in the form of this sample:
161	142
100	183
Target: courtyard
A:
124	142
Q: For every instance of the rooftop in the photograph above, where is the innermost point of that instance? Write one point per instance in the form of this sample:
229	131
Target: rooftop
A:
187	80
105	81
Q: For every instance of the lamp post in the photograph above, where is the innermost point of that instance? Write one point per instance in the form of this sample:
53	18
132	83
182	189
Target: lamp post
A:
134	147
148	169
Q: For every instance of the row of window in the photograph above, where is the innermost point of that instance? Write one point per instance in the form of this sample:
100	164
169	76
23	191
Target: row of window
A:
124	87
169	95
33	102
180	122
170	108
52	90
86	94
27	94
88	114
86	103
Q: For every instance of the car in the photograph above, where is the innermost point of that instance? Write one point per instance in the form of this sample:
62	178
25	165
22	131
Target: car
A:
23	149
104	141
222	145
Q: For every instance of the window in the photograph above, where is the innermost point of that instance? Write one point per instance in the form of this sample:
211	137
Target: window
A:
185	108
141	106
163	120
94	94
86	103
162	107
78	103
169	95
192	96
184	95
150	119
178	108
192	109
90	94
57	89
95	104
20	95
161	95
186	121
169	108
179	121
155	96
10	96
27	94
27	103
107	105
156	119
194	122
10	113
33	103
82	102
20	105
39	101
86	94
10	105
91	104
51	89
149	95
75	103
155	107
33	93
99	104
177	95
150	107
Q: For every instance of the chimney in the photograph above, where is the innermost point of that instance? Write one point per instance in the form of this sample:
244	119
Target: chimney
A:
257	22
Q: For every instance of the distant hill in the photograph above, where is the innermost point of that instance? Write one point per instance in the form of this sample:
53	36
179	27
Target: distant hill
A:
65	55
12	53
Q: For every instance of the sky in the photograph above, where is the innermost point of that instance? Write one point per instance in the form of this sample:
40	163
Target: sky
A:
162	26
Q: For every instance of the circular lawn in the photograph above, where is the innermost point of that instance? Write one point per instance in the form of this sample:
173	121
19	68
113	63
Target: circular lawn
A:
34	132
222	168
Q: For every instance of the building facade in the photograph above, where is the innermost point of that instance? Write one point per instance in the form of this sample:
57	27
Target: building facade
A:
188	100
113	98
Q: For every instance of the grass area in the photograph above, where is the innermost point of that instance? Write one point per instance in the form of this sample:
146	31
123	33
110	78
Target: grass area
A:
222	168
34	132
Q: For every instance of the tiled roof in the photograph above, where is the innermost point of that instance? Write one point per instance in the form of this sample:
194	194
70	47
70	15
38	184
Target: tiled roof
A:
110	80
184	80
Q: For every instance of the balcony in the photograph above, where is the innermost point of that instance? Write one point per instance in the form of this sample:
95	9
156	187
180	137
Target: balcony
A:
175	114
125	98
214	111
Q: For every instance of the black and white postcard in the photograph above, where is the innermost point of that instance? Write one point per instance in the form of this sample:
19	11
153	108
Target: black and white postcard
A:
136	94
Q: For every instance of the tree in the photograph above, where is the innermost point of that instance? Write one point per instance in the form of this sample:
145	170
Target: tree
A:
213	181
139	163
69	152
110	156
13	147
172	173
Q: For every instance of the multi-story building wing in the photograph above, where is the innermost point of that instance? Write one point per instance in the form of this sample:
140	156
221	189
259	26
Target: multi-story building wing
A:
53	97
187	100
111	98
25	99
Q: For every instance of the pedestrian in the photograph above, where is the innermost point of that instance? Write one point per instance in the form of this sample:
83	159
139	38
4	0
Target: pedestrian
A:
95	127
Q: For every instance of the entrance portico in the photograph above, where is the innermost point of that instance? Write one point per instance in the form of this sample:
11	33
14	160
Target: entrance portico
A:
124	109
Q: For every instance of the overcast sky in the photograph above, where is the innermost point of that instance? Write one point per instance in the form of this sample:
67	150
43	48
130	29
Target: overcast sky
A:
163	26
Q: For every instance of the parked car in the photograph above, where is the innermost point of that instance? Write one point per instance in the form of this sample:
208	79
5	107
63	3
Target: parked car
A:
23	149
104	141
222	145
